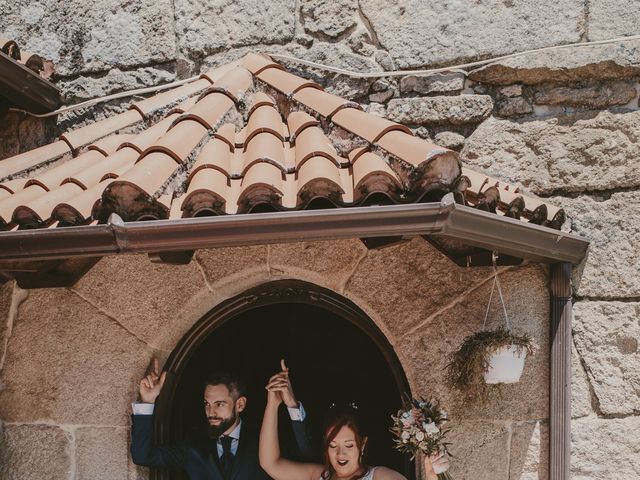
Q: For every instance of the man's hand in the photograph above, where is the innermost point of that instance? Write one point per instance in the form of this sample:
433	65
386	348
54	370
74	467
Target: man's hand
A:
151	385
281	385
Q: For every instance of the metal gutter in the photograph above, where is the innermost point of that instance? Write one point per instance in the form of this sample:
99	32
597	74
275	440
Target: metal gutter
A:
24	88
474	227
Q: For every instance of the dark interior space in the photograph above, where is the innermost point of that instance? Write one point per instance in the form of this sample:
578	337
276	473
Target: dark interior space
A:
330	360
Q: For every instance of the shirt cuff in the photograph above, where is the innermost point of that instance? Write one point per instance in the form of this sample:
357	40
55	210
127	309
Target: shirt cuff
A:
142	408
297	414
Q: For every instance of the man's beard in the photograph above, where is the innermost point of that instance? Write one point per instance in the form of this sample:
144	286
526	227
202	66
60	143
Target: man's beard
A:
214	431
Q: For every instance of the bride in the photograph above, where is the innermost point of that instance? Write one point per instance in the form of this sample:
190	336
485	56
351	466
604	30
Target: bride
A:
343	446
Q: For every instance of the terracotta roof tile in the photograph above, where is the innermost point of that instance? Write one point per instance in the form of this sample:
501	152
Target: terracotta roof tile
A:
372	175
265	147
207	194
234	83
38	156
262	184
265	118
215	154
326	104
319	177
216	73
258	100
312	142
297	122
191	163
365	125
209	110
85	135
179	141
285	82
227	133
149	105
257	63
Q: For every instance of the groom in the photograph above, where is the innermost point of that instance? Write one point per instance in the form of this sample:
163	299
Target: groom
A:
230	450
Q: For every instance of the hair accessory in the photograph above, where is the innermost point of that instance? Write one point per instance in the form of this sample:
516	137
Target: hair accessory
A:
352	405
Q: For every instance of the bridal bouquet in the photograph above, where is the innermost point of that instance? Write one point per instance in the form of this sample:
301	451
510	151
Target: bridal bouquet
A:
419	428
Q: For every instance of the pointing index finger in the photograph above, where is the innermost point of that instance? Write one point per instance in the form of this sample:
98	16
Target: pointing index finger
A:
156	365
283	366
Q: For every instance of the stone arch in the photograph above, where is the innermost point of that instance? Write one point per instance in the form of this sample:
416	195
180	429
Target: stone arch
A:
266	294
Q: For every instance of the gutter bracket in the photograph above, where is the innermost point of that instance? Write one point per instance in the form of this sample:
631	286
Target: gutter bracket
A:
119	230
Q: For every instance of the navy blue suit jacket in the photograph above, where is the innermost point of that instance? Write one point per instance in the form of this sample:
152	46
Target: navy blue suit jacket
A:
198	456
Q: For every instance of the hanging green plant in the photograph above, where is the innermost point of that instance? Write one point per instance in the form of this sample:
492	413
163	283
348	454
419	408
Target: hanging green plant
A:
489	356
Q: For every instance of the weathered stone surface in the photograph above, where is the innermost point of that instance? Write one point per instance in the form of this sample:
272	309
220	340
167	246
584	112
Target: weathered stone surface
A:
204	28
427	347
612	265
450	140
605	449
420	33
606	336
597	96
381	97
513	106
361	43
580	390
102	453
9	139
454	110
79	37
33	452
115	80
336	55
529	451
377	109
511	91
612	18
152	300
572	153
64	355
406	283
328	263
479	443
148	299
224	266
565	65
328	17
435	83
10	297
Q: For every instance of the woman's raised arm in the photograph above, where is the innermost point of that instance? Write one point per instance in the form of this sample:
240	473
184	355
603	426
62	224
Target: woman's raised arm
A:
269	451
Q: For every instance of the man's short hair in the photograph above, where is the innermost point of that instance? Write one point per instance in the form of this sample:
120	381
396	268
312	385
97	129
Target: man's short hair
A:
230	380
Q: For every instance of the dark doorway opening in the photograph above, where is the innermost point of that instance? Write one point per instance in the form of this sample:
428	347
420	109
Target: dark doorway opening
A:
333	354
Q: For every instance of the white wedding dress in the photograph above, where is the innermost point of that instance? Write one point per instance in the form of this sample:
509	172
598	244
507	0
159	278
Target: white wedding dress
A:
367	476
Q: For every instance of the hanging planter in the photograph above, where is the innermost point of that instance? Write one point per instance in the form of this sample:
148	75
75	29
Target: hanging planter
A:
489	356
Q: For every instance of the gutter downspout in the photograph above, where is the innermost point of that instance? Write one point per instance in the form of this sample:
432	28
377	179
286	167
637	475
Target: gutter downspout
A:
561	313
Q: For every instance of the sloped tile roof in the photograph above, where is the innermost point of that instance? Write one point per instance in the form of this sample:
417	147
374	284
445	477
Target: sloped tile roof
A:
38	64
245	137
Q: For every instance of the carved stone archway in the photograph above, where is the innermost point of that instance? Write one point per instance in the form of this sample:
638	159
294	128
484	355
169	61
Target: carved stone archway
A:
276	292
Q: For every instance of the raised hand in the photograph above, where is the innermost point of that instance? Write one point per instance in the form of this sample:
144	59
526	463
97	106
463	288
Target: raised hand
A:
151	384
274	388
280	385
288	396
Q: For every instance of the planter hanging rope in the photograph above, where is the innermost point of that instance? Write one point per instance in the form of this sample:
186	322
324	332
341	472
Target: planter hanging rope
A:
496	282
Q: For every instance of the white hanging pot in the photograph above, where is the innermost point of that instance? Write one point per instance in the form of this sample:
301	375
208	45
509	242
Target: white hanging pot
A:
506	365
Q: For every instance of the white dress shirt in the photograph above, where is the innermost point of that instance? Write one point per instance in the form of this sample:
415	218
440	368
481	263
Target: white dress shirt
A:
296	414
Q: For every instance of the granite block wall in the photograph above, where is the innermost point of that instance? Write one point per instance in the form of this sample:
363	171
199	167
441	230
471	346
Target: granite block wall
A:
563	123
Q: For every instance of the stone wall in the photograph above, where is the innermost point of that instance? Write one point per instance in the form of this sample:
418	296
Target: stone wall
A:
71	357
563	123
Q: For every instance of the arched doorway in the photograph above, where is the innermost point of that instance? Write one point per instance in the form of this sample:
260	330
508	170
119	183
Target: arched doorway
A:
333	349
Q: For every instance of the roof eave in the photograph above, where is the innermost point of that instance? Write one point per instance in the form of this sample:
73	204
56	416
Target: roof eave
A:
24	88
446	218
